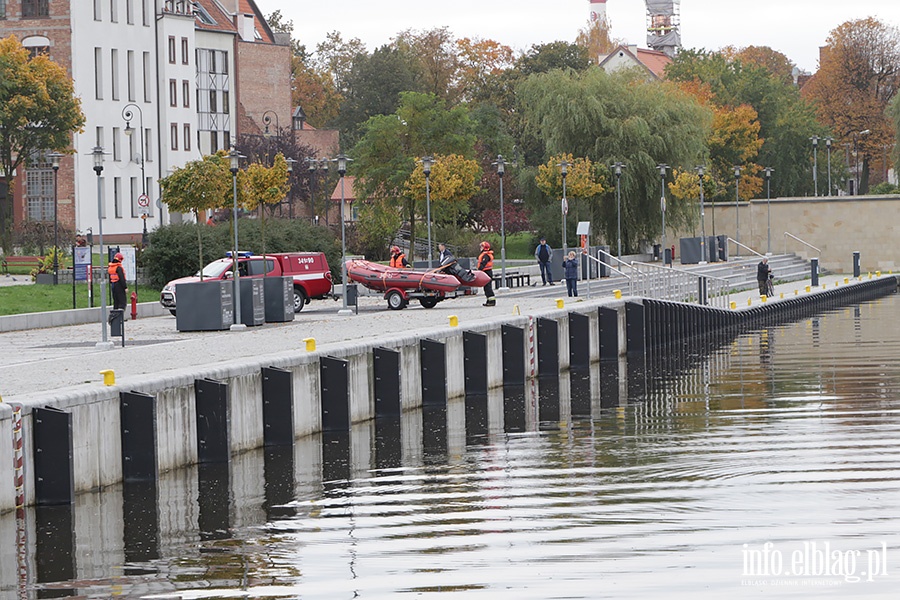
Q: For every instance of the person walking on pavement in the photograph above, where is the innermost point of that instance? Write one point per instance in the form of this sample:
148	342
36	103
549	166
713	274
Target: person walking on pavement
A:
117	282
763	270
398	259
486	264
571	266
544	254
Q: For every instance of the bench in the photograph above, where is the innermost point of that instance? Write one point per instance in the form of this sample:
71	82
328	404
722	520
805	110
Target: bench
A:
27	261
513	279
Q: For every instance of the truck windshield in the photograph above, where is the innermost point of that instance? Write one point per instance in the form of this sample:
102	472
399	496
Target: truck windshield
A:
215	269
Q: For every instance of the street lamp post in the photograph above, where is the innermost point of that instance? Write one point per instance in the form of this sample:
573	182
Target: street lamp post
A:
342	160
662	206
427	162
54	161
618	166
815	143
828	142
703	255
564	205
235	160
501	169
737	210
104	343
768	172
128	115
290	169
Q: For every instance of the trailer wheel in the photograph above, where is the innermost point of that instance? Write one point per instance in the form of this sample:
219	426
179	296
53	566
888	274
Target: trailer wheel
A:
429	301
395	300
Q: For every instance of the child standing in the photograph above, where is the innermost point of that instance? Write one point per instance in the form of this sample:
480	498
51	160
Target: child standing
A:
571	266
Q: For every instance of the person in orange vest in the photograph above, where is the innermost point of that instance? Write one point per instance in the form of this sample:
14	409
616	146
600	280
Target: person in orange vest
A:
398	259
117	282
486	264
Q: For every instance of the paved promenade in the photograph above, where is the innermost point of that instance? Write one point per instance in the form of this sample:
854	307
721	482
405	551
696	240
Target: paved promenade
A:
38	361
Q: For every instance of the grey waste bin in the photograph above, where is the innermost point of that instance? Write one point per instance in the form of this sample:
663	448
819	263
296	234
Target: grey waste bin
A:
204	305
279	299
253	301
352	292
117	322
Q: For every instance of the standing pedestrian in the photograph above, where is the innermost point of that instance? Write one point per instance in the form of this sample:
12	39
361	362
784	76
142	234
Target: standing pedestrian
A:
446	256
117	281
762	276
544	254
486	264
571	266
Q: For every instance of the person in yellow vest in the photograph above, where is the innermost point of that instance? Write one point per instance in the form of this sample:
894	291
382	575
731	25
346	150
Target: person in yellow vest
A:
117	281
398	259
486	264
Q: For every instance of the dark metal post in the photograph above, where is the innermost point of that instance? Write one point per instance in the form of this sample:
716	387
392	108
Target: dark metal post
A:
814	271
856	269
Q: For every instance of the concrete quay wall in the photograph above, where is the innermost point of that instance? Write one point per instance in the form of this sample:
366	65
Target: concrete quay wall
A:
88	452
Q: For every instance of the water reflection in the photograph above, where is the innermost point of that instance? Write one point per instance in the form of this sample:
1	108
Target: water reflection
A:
648	478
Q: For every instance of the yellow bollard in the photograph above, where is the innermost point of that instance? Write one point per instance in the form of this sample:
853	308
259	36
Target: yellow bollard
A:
749	301
824	286
516	310
310	344
454	321
560	303
846	280
762	298
808	289
109	377
733	305
782	296
877	273
870	275
837	284
796	292
617	294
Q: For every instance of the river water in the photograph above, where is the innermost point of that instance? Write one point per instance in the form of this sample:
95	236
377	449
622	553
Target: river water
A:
766	465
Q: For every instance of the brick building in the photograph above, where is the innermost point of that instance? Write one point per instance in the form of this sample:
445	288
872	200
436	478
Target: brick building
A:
162	82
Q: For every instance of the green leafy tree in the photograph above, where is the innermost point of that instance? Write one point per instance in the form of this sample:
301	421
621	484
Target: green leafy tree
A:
584	184
38	112
618	117
198	186
386	153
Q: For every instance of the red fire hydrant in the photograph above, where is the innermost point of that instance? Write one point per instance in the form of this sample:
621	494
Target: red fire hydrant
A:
133	306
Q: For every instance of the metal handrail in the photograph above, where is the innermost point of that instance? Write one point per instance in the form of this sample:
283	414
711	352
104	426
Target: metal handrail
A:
786	234
669	283
610	267
746	247
618	260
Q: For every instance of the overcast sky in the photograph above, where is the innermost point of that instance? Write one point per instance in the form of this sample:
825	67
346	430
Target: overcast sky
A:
795	27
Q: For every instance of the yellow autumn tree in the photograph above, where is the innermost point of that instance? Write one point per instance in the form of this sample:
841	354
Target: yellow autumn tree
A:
453	180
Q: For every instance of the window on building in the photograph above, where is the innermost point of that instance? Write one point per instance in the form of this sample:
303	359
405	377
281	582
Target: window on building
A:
98	73
187	137
39	189
226	139
173	133
172	49
135	192
147	75
212	101
37	45
184	51
225	101
117	197
129	12
214	141
186	93
99	137
148	146
114	11
173	93
114	73
98	11
145	13
35	8
129	65
116	144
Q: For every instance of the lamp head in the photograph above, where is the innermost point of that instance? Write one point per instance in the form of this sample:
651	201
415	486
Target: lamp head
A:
97	153
815	140
564	168
700	170
662	169
737	171
501	165
427	162
128	128
235	157
54	160
342	160
290	165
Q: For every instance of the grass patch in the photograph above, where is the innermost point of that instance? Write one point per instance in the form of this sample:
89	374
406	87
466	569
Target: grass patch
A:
21	299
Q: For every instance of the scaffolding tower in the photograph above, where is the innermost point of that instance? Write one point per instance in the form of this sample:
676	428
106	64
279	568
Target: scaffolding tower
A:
663	22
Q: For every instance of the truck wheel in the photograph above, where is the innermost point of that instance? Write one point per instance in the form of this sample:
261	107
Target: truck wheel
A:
395	300
429	301
300	299
172	310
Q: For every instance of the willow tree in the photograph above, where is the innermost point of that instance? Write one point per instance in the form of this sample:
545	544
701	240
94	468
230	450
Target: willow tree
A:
619	117
199	185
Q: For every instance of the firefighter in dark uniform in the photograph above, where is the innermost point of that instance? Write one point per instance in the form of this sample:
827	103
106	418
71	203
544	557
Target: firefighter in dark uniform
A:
398	259
117	282
486	264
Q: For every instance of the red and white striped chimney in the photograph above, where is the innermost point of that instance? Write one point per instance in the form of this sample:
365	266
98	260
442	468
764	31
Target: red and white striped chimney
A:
598	10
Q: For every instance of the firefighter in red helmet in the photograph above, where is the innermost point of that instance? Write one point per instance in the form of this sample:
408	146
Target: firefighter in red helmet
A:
486	264
398	259
117	281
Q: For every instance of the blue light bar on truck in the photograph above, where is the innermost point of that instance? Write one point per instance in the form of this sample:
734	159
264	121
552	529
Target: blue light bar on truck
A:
240	253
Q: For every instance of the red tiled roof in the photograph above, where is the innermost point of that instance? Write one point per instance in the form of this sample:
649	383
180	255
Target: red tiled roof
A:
225	21
349	196
654	60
